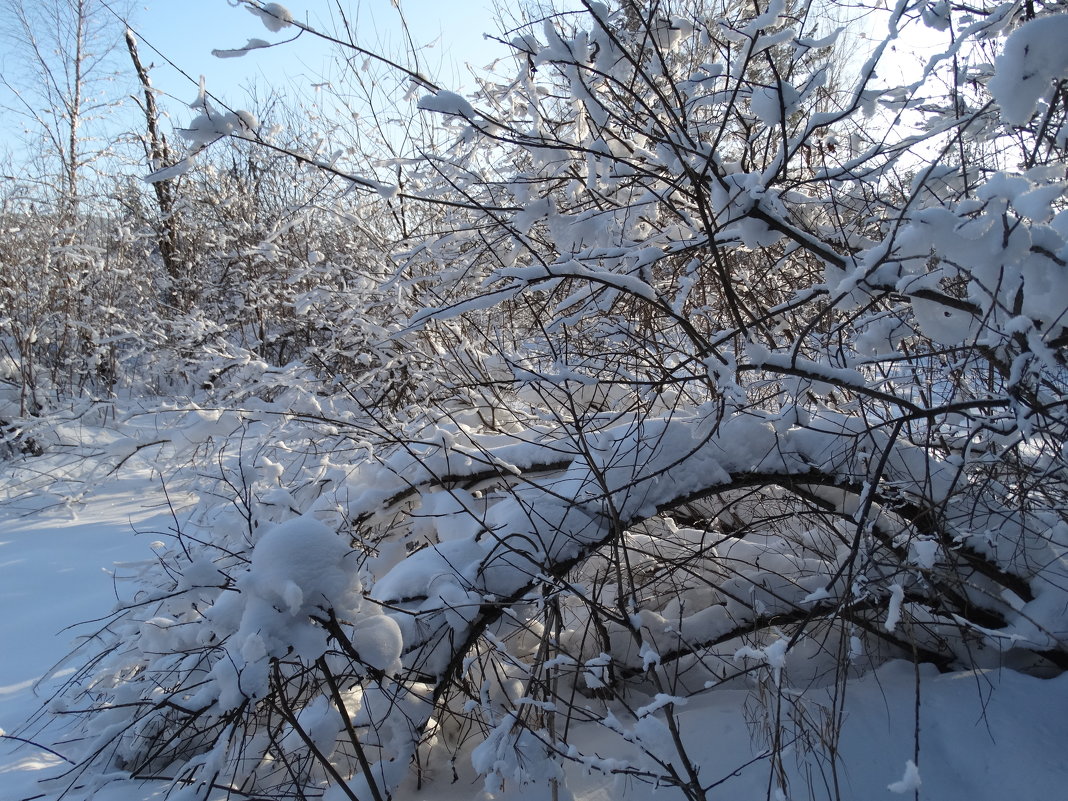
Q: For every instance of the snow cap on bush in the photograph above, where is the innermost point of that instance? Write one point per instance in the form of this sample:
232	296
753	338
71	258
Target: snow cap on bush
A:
1034	57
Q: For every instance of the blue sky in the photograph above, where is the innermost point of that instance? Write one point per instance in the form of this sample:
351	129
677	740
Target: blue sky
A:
186	31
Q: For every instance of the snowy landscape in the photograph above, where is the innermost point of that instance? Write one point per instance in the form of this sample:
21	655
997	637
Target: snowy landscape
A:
677	410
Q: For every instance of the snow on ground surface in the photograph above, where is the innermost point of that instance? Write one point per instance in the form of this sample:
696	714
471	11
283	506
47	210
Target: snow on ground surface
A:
55	565
982	735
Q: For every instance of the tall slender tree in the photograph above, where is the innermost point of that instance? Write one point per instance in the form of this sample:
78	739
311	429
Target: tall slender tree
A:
58	79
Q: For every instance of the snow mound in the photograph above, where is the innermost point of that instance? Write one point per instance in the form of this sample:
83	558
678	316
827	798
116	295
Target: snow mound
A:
1034	57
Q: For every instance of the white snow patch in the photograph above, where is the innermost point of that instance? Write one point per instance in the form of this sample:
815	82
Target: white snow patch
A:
445	102
274	16
893	613
378	641
1034	57
909	782
302	564
237	52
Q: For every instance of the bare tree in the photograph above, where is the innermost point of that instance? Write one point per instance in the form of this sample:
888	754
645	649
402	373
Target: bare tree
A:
60	84
158	151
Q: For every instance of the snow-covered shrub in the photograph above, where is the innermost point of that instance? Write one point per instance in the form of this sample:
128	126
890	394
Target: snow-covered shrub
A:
65	288
734	375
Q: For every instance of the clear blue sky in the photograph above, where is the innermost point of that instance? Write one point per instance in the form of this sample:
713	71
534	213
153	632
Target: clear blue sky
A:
186	31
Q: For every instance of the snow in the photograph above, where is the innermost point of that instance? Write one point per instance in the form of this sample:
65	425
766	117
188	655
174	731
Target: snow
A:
378	641
768	19
639	523
446	102
660	701
909	782
238	52
301	566
924	553
212	125
774	656
274	16
1037	204
1033	58
180	167
974	724
56	570
893	612
770	102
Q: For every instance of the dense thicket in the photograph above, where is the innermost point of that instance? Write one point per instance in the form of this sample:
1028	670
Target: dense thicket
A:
686	353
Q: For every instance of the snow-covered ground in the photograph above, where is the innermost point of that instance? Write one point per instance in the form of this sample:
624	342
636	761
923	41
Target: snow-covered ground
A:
56	569
982	735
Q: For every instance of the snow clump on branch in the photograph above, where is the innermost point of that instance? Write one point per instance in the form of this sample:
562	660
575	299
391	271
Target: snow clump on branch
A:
274	16
1034	58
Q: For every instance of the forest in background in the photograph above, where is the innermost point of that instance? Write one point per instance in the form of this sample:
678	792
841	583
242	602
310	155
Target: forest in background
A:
702	348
